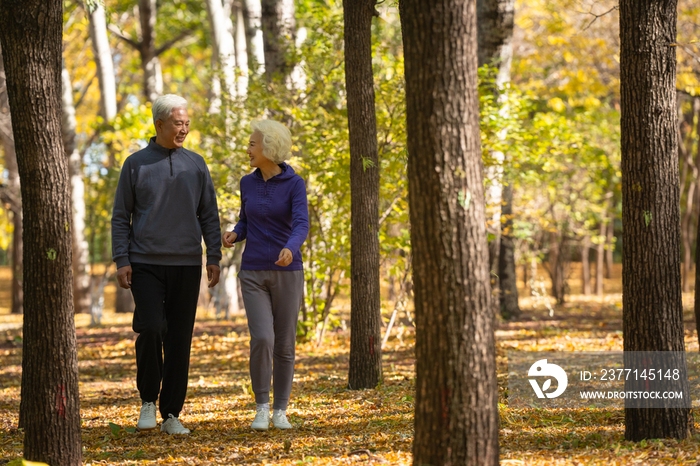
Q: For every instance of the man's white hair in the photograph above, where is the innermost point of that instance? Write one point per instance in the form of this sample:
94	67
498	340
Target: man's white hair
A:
276	139
164	105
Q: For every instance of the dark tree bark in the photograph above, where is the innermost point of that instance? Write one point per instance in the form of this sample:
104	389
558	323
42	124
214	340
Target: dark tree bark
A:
456	419
31	35
11	194
652	315
278	28
366	320
506	260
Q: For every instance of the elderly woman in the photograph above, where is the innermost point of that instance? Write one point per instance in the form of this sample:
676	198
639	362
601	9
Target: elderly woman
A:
274	221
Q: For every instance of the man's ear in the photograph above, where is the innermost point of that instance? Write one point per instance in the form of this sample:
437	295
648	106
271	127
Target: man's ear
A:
159	126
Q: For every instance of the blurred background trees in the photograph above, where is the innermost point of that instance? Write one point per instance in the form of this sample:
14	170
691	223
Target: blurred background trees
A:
550	135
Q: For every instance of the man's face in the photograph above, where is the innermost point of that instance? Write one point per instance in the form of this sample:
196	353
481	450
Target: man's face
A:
172	132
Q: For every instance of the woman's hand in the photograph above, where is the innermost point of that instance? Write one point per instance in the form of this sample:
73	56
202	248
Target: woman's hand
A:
228	238
285	258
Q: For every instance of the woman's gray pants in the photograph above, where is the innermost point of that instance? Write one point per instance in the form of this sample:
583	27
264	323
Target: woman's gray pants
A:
272	299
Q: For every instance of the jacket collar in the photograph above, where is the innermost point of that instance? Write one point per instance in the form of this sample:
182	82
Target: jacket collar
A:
157	148
287	172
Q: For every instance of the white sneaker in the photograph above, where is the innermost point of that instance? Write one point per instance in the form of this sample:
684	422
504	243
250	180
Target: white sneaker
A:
279	420
262	420
147	418
172	425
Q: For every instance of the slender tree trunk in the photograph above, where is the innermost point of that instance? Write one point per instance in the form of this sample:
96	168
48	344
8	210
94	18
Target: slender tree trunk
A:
278	31
506	260
81	277
609	247
224	52
152	75
366	320
252	12
456	419
103	61
31	36
559	265
17	248
495	20
585	266
12	194
687	229
652	315
241	52
599	259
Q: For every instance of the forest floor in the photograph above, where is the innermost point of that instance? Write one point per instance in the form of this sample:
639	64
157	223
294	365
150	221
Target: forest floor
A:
332	425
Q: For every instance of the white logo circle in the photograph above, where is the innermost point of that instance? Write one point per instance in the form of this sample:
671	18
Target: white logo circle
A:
542	369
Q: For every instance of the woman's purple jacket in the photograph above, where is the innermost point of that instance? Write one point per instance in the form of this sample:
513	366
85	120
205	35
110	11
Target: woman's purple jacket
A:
274	215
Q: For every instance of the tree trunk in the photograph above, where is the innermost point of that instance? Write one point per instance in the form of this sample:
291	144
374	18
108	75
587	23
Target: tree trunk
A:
152	75
224	52
278	31
456	415
506	261
495	20
81	278
252	12
652	315
12	194
31	36
687	229
558	265
599	259
609	246
366	319
103	62
585	266
241	52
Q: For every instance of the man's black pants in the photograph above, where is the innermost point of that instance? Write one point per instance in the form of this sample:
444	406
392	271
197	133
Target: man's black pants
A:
166	303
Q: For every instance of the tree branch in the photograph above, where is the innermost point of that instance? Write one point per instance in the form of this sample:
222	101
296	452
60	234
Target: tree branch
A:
599	16
173	41
85	89
115	30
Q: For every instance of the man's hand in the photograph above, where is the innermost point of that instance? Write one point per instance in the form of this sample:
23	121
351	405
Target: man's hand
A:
124	276
228	238
213	272
285	258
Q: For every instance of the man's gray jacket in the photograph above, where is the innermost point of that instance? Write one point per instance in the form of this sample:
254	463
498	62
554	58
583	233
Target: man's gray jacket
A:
165	203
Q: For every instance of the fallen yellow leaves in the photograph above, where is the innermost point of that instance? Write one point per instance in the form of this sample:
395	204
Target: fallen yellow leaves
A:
332	425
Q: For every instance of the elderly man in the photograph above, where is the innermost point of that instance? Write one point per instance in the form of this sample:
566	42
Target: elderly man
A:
165	203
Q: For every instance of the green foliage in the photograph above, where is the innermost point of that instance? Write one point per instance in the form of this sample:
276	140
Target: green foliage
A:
563	160
116	430
553	134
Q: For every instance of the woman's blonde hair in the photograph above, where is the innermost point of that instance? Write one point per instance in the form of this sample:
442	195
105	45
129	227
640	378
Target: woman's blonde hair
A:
276	139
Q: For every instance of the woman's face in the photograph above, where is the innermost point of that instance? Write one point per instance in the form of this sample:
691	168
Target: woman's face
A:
255	150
